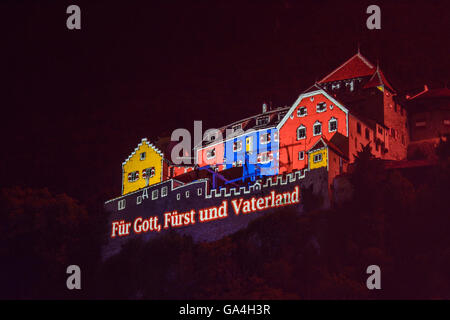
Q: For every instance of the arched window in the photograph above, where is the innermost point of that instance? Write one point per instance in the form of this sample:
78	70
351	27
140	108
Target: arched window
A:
301	132
332	125
317	129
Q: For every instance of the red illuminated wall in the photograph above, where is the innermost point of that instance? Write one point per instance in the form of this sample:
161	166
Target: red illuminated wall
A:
290	146
395	118
218	159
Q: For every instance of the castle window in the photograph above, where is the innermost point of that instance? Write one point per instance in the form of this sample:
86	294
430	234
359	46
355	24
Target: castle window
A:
148	173
317	128
332	125
236	127
199	191
237	145
421	123
142	155
262	120
265	138
121	204
393	132
317	157
358	128
301	155
265	157
187	194
211	153
380	130
178	196
249	145
301	132
302	111
367	132
403	139
164	192
321	107
237	163
335	86
154	194
133	176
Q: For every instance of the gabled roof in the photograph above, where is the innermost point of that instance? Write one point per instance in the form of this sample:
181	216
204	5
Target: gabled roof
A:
338	145
378	79
312	91
151	145
355	67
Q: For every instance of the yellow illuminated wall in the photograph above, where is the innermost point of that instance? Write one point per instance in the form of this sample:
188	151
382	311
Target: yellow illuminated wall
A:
321	163
138	162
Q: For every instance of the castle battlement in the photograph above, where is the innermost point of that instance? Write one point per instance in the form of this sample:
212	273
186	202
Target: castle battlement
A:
176	192
173	196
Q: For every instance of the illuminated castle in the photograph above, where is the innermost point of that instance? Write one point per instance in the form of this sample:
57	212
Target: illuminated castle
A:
325	127
305	145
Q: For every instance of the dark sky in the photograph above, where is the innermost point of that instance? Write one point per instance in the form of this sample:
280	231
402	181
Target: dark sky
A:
76	103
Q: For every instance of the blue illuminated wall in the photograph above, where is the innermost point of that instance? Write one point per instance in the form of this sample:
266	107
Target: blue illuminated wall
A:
252	147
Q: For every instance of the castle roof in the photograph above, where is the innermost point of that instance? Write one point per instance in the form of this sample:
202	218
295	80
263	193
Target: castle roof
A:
431	93
338	144
378	79
355	67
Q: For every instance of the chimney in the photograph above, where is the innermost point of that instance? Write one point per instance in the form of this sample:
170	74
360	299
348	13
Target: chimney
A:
264	107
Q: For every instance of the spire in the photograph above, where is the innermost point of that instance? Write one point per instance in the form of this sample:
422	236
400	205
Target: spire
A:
378	79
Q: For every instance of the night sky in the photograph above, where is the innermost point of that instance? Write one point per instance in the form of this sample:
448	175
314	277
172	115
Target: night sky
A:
76	103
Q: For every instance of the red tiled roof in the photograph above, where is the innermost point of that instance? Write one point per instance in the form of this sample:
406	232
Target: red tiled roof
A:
356	66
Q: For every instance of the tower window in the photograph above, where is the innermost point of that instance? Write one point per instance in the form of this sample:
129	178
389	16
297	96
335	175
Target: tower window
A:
301	155
143	155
